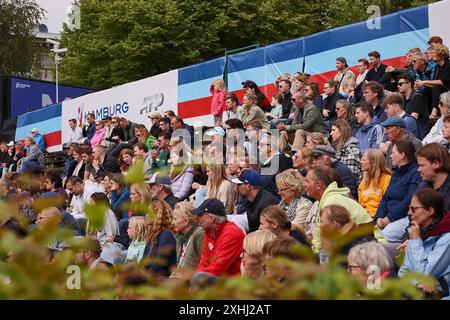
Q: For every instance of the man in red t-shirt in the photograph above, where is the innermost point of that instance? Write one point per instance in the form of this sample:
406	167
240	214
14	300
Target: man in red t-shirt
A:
222	245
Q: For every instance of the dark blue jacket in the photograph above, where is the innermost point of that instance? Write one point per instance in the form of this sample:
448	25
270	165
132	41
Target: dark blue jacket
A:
163	251
379	114
117	200
347	177
67	164
89	131
444	190
397	198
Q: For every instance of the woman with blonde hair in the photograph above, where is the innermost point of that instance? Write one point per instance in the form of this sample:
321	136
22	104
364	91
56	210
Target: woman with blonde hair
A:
302	160
181	169
375	181
314	139
161	245
218	90
346	146
188	236
275	220
251	112
139	232
218	186
252	253
290	188
139	195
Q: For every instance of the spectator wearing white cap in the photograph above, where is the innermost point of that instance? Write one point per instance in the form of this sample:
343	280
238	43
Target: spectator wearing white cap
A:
6	157
38	138
155	117
214	151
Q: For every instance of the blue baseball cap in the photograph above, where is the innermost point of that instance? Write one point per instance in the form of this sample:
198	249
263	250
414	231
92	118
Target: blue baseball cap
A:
394	122
251	177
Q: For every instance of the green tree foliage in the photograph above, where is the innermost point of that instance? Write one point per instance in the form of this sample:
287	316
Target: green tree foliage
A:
121	41
18	51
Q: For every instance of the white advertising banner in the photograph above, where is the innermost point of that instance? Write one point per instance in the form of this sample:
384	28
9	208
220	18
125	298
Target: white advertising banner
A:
438	20
134	101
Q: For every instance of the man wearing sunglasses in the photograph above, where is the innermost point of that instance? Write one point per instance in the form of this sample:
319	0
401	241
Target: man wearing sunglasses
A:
155	117
415	103
161	155
423	68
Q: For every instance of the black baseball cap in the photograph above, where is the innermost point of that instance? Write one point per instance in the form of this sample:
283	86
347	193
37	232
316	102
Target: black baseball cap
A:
213	206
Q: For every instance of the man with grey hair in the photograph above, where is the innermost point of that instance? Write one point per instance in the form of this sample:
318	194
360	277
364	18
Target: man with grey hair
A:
424	69
395	130
436	134
307	118
222	245
161	190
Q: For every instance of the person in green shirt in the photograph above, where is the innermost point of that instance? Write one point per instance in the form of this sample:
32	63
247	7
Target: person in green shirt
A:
161	155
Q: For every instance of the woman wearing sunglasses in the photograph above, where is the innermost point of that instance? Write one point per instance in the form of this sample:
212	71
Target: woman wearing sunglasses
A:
428	250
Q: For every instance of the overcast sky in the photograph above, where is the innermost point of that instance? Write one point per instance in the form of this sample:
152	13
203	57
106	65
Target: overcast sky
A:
56	13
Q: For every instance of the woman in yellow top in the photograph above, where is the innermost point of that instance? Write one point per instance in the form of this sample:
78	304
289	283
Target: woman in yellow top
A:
375	181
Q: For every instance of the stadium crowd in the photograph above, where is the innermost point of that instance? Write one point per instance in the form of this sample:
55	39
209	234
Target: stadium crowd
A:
273	172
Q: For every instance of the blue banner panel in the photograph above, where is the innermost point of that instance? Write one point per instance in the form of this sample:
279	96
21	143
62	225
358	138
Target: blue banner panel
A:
28	95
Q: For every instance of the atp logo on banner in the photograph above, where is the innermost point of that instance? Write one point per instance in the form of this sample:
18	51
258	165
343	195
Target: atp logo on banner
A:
152	103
